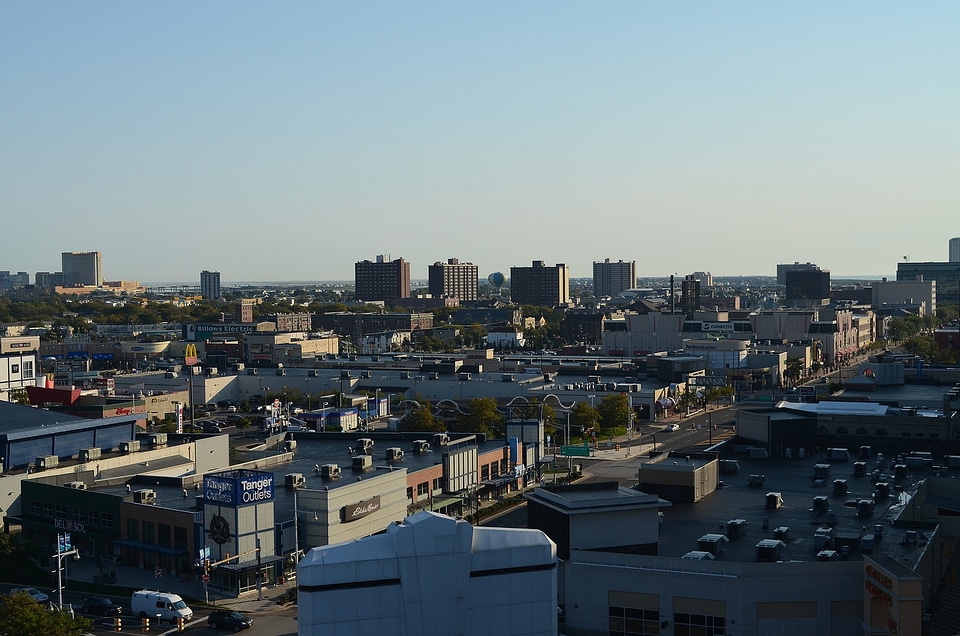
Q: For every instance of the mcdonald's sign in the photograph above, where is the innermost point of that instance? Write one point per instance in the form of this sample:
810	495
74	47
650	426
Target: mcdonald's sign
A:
190	355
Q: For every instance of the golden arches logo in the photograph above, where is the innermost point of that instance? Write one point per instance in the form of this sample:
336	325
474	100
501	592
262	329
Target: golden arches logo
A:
190	355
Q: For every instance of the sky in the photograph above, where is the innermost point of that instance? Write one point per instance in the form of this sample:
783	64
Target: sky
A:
288	140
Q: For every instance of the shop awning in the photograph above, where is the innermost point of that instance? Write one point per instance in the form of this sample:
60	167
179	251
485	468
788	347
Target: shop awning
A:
149	547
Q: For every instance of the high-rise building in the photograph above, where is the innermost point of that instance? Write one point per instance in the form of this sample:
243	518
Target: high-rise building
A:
690	295
453	278
807	287
10	281
783	268
540	285
82	268
47	280
955	250
210	285
610	279
947	275
382	279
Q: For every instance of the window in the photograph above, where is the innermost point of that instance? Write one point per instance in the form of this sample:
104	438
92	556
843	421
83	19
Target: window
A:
28	369
629	621
78	515
485	472
14	368
437	483
423	489
106	520
697	625
133	529
35	507
881	431
62	512
48	509
841	430
409	494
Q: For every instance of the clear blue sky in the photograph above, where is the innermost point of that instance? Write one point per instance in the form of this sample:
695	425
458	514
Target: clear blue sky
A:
288	140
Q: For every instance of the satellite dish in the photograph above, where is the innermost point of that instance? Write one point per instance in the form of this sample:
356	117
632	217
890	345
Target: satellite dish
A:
496	279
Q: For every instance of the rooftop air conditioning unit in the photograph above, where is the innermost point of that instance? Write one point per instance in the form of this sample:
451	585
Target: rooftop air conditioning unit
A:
89	454
394	454
158	439
290	445
420	446
362	462
441	439
47	461
76	485
130	446
294	480
364	444
330	471
146	496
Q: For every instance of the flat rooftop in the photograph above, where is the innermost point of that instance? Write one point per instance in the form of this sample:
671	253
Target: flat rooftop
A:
683	524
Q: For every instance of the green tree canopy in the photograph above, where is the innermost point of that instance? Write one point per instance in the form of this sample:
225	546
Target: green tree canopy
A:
613	411
20	615
483	417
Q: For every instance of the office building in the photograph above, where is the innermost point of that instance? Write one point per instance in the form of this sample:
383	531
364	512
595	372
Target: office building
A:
609	279
9	280
453	278
82	269
921	294
210	285
954	250
946	275
807	287
48	280
540	285
382	279
783	268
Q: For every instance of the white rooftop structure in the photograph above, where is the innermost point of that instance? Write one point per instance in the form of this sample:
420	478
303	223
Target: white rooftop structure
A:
431	574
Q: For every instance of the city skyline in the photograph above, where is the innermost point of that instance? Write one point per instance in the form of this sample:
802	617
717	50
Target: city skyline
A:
290	142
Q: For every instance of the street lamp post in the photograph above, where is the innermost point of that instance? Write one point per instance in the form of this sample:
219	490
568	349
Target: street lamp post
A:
64	548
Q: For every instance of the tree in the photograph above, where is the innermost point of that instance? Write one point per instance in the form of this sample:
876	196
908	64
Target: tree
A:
422	419
584	417
482	418
793	370
613	411
20	615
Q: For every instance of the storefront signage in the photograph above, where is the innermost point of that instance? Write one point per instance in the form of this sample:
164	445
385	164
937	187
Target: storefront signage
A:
879	576
877	592
231	491
68	524
717	326
361	509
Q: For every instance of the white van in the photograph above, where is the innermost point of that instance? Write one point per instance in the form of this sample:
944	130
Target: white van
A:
150	603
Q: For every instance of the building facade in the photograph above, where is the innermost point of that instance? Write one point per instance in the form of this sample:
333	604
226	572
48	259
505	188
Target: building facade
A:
946	275
453	278
540	285
807	287
82	268
210	285
610	278
382	279
954	250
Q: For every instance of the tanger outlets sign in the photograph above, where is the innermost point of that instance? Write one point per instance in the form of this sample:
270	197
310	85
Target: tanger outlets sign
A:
230	490
361	509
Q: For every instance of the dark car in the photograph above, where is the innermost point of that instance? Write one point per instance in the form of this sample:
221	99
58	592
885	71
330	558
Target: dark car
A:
100	606
210	427
229	619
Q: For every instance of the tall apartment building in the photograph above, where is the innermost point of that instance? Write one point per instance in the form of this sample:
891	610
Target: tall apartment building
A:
610	279
210	285
807	287
955	250
540	285
453	278
382	279
82	268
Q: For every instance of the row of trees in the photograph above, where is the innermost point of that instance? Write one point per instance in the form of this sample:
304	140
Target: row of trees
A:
483	415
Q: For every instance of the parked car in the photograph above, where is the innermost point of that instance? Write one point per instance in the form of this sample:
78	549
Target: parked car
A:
33	593
100	606
210	427
229	619
231	409
673	427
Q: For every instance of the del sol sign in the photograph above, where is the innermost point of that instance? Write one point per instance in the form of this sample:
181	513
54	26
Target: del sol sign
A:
360	509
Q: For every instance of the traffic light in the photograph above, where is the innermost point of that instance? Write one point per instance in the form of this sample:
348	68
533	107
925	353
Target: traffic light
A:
206	565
